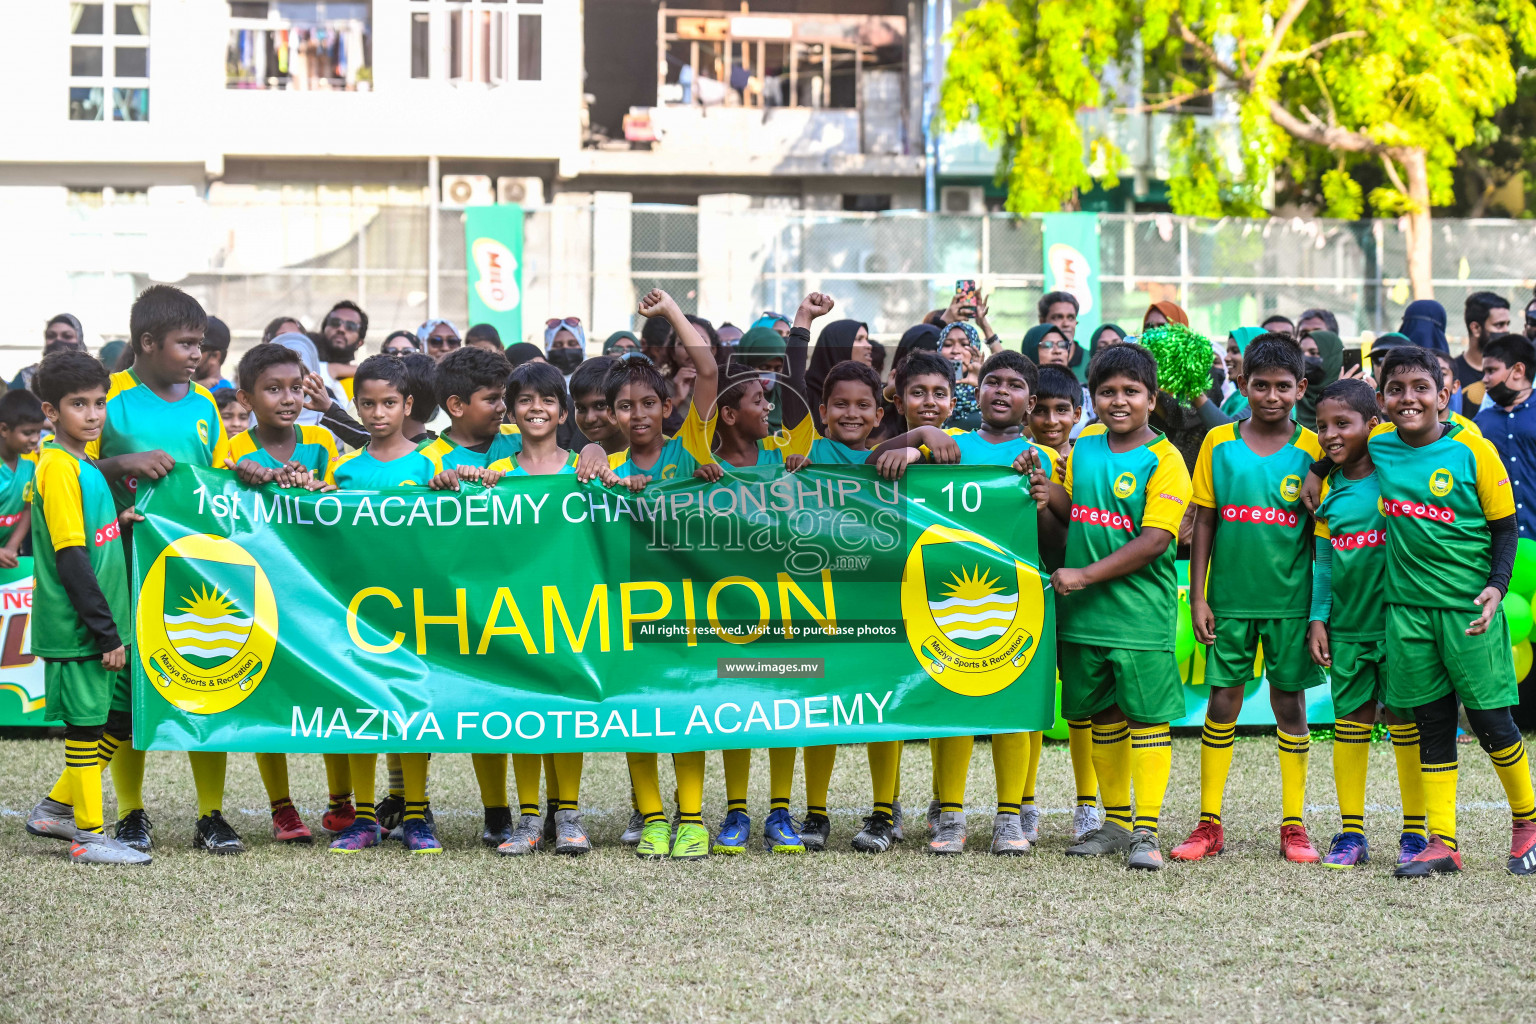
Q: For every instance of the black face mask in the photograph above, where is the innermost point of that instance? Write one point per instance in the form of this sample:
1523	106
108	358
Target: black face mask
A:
1314	374
1502	393
565	359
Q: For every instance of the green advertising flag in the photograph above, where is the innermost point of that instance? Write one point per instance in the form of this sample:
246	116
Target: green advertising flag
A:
1071	243
21	673
544	615
493	252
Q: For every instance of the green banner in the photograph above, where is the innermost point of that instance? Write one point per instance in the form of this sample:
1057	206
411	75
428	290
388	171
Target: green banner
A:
493	254
543	615
1071	244
21	674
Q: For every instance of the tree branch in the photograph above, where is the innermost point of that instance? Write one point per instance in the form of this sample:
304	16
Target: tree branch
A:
1166	104
1282	26
1317	133
1318	47
1208	52
1392	175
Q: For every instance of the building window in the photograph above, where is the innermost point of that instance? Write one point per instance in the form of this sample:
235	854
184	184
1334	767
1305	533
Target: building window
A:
474	41
278	44
108	57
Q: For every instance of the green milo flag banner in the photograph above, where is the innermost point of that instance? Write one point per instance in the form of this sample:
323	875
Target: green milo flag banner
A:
493	252
544	615
21	674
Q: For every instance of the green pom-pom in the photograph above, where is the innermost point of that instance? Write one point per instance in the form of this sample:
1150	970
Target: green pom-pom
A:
1183	359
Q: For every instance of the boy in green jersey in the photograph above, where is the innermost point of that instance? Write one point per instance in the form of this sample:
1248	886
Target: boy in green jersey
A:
1347	632
1058	407
157	416
537	400
271	384
641	398
1450	550
472	389
21	427
79	608
589	404
390	460
1250	577
1124	494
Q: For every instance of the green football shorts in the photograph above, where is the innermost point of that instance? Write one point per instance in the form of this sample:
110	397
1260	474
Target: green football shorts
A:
1144	684
1431	655
81	692
1288	665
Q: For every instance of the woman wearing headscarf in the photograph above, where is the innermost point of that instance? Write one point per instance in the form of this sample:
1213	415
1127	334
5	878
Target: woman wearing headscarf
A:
839	341
1238	340
1163	312
1103	336
1322	370
776	322
1424	325
565	344
523	352
438	337
962	346
62	332
1077	359
620	342
112	354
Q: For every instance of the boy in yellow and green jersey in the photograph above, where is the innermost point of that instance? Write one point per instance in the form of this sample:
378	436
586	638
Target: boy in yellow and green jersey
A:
271	386
641	398
1347	632
1124	494
1451	538
80	609
472	390
21	427
538	402
383	402
1250	577
158	416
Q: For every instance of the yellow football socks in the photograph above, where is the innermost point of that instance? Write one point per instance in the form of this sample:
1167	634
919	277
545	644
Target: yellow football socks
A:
274	778
127	776
1036	740
818	777
1440	800
689	769
643	779
1080	746
1010	753
781	777
82	765
338	780
525	772
1514	772
566	780
392	772
1295	751
208	767
413	771
884	767
1151	763
491	774
738	770
1112	765
954	770
363	769
1216	742
1410	776
1351	755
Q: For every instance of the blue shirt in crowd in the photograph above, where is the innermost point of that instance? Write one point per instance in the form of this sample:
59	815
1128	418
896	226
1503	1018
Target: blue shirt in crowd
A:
1513	433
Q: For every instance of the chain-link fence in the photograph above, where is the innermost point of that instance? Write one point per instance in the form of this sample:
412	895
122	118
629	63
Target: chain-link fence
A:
252	263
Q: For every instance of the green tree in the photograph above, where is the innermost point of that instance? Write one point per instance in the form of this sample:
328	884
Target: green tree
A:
1319	88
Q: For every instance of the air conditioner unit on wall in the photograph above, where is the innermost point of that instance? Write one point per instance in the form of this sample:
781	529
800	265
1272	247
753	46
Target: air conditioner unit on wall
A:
468	190
962	199
523	191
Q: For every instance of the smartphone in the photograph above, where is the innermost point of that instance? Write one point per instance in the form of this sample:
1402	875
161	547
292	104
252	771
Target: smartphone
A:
968	294
1351	360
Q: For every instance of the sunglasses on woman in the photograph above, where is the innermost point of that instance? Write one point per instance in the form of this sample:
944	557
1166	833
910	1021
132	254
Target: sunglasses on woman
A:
439	341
